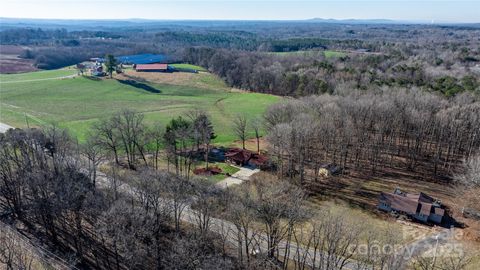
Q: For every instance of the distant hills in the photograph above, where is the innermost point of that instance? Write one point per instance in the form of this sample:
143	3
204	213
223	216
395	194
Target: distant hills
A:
357	21
78	24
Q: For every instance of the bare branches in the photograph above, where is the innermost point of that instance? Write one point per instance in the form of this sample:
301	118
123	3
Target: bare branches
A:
240	128
470	176
373	132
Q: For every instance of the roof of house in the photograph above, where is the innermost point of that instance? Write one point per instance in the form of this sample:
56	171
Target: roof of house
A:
244	156
411	203
426	208
258	159
151	67
399	202
240	155
421	197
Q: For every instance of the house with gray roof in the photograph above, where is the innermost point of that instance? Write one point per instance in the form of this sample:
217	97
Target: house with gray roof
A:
420	207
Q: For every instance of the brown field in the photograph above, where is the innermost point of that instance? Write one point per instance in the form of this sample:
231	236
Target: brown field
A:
199	80
11	63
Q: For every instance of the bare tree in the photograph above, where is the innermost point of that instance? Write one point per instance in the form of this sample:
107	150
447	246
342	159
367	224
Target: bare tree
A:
242	215
205	205
95	154
471	173
240	128
129	125
107	135
469	183
179	191
16	254
257	126
156	137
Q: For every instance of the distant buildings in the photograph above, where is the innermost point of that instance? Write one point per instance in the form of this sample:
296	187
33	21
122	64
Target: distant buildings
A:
420	207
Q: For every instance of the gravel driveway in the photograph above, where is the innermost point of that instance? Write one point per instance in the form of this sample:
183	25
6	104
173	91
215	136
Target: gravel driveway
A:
237	178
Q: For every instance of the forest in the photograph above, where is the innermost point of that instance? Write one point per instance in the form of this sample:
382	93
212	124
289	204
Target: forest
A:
282	58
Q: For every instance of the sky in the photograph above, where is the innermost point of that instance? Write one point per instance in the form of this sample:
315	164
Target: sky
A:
462	11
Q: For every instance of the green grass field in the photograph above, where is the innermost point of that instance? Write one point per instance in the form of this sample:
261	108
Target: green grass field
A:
38	75
76	103
226	168
188	66
326	53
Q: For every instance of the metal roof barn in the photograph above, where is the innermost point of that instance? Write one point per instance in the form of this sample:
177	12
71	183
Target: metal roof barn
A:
147	58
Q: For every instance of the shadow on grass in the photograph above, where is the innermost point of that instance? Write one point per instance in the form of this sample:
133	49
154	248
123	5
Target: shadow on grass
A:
140	85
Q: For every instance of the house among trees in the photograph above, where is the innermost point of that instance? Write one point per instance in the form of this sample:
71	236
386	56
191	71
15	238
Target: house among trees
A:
327	170
420	207
244	157
151	67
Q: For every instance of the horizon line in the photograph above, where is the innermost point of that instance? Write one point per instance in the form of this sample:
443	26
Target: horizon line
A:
414	21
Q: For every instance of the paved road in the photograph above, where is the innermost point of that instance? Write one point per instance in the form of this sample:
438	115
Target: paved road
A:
4	127
423	245
237	178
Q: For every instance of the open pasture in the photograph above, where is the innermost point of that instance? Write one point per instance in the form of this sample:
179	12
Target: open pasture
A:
78	102
326	53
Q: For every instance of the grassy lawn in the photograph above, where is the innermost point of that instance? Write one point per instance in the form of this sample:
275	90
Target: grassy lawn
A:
46	74
330	54
188	66
78	102
226	168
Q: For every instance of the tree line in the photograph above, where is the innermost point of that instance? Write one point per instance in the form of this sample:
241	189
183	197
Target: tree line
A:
311	72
